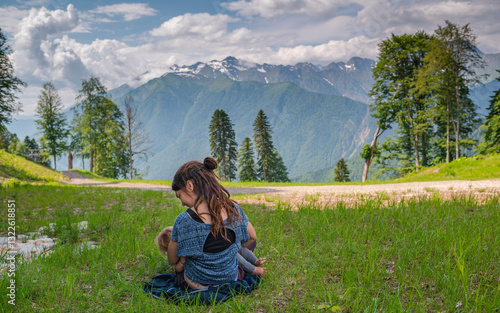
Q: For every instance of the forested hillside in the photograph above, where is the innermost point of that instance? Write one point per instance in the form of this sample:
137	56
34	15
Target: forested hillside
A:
310	130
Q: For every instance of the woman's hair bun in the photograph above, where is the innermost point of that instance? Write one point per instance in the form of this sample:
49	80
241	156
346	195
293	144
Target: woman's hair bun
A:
210	163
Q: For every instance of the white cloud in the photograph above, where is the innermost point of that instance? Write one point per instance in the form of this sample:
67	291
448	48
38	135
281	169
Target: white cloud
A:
129	11
36	57
332	51
44	49
201	24
273	8
38	26
10	17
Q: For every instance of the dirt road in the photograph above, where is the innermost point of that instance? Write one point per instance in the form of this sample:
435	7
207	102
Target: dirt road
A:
328	193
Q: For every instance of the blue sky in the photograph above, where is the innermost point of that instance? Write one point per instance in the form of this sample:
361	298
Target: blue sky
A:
132	42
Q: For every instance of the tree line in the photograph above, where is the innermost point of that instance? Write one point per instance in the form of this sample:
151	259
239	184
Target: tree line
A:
421	88
269	165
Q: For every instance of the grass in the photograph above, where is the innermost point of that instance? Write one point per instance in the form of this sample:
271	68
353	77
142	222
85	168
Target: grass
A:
471	168
14	167
423	255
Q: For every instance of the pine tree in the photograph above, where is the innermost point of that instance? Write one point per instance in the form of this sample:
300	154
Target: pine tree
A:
232	154
341	171
9	85
278	171
31	143
223	144
492	125
263	145
246	161
51	122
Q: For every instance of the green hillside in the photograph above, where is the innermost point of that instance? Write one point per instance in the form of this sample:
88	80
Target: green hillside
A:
310	130
471	168
17	167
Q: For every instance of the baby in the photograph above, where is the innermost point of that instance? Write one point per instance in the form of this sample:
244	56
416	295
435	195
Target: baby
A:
246	259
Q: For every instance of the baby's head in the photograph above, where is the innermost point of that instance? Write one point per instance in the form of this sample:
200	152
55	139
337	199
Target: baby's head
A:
163	239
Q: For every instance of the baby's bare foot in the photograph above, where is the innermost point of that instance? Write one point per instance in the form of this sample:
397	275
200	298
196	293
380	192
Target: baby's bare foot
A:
259	262
260	271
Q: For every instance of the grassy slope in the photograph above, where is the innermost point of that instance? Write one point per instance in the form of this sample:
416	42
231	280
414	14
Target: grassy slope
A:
472	168
418	256
14	166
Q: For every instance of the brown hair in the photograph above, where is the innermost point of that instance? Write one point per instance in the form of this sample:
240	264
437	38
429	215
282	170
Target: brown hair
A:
208	190
163	240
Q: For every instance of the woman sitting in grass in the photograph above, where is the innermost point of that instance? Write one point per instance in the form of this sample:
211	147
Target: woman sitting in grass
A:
210	232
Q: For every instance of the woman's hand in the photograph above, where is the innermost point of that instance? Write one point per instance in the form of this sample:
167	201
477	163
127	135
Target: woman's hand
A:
172	253
251	232
179	267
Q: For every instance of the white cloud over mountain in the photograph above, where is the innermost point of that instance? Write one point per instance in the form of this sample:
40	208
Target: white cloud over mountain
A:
273	31
201	24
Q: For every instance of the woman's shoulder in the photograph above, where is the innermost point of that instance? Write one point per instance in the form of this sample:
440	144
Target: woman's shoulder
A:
181	219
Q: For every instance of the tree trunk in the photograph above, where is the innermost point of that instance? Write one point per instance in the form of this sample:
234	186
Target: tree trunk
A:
55	162
415	147
70	160
224	167
448	130
91	162
366	168
264	171
130	161
424	150
457	129
130	164
368	161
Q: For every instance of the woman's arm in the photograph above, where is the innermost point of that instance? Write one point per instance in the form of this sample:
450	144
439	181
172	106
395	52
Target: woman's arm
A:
172	253
251	232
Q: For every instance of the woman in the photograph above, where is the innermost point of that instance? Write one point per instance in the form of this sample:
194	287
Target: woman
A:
211	231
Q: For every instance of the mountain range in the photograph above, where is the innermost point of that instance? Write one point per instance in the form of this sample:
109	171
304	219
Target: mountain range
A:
352	79
318	113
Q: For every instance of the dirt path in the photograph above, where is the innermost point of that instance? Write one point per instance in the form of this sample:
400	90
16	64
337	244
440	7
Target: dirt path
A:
350	194
328	193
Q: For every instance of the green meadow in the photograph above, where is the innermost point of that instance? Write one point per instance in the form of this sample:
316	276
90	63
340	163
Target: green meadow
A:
422	255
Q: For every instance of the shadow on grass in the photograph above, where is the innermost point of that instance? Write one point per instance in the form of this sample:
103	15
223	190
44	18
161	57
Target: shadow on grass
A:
19	173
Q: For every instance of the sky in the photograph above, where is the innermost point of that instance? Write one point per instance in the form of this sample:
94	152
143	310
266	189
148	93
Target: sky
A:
132	42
